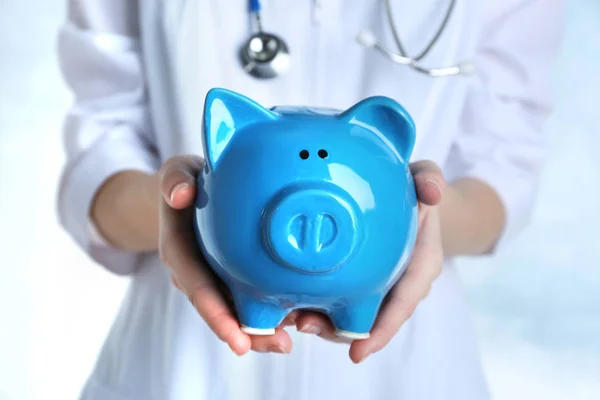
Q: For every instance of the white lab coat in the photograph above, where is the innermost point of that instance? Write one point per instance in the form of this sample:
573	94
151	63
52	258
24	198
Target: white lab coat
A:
140	72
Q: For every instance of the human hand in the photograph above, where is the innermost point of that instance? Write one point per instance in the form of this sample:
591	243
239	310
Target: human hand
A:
424	267
180	253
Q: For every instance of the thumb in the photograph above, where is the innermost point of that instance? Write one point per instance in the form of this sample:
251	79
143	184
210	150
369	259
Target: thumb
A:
178	180
429	182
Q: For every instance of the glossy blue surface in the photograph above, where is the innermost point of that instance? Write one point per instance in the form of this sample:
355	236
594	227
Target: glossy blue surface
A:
306	208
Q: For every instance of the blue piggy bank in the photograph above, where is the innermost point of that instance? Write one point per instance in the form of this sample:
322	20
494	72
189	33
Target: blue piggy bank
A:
309	208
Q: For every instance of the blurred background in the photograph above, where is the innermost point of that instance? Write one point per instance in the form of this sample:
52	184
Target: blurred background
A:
537	304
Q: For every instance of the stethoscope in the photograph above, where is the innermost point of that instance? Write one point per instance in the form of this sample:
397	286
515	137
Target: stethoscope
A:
266	55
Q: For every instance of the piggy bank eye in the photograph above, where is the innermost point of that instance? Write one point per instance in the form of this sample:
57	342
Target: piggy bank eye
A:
323	153
304	154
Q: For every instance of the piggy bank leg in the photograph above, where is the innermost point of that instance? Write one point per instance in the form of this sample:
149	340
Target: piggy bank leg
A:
355	319
258	317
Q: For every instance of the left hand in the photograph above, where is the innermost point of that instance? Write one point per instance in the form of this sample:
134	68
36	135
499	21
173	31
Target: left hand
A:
424	267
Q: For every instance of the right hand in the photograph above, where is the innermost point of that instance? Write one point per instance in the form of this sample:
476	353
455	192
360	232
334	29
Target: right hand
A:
181	255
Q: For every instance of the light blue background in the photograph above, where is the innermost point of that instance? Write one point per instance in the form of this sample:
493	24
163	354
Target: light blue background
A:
537	304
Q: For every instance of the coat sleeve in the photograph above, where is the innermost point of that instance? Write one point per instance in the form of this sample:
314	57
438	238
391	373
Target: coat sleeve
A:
106	130
501	131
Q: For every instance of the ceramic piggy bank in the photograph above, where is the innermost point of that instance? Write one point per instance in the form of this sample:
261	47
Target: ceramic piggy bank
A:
306	208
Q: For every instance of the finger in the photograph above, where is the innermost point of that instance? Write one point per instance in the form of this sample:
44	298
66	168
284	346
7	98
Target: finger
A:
429	182
211	306
425	266
174	281
318	324
290	319
280	342
313	323
391	317
180	254
178	180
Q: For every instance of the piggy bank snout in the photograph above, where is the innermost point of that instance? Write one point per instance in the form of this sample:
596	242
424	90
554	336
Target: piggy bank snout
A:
311	228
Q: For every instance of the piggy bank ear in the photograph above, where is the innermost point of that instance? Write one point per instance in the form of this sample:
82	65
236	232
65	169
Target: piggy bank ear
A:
387	118
225	113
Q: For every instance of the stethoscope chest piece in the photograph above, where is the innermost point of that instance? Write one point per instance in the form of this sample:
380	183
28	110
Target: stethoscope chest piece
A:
265	55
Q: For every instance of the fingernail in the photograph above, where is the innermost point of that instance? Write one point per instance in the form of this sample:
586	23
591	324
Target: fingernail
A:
434	184
310	328
240	343
289	321
177	188
277	349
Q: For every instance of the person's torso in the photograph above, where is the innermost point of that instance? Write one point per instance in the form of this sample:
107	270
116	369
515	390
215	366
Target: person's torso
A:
159	348
191	46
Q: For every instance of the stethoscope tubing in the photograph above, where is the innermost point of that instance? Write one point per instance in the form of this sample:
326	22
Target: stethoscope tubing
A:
262	69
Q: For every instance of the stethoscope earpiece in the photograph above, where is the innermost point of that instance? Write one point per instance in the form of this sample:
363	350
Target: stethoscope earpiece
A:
368	39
